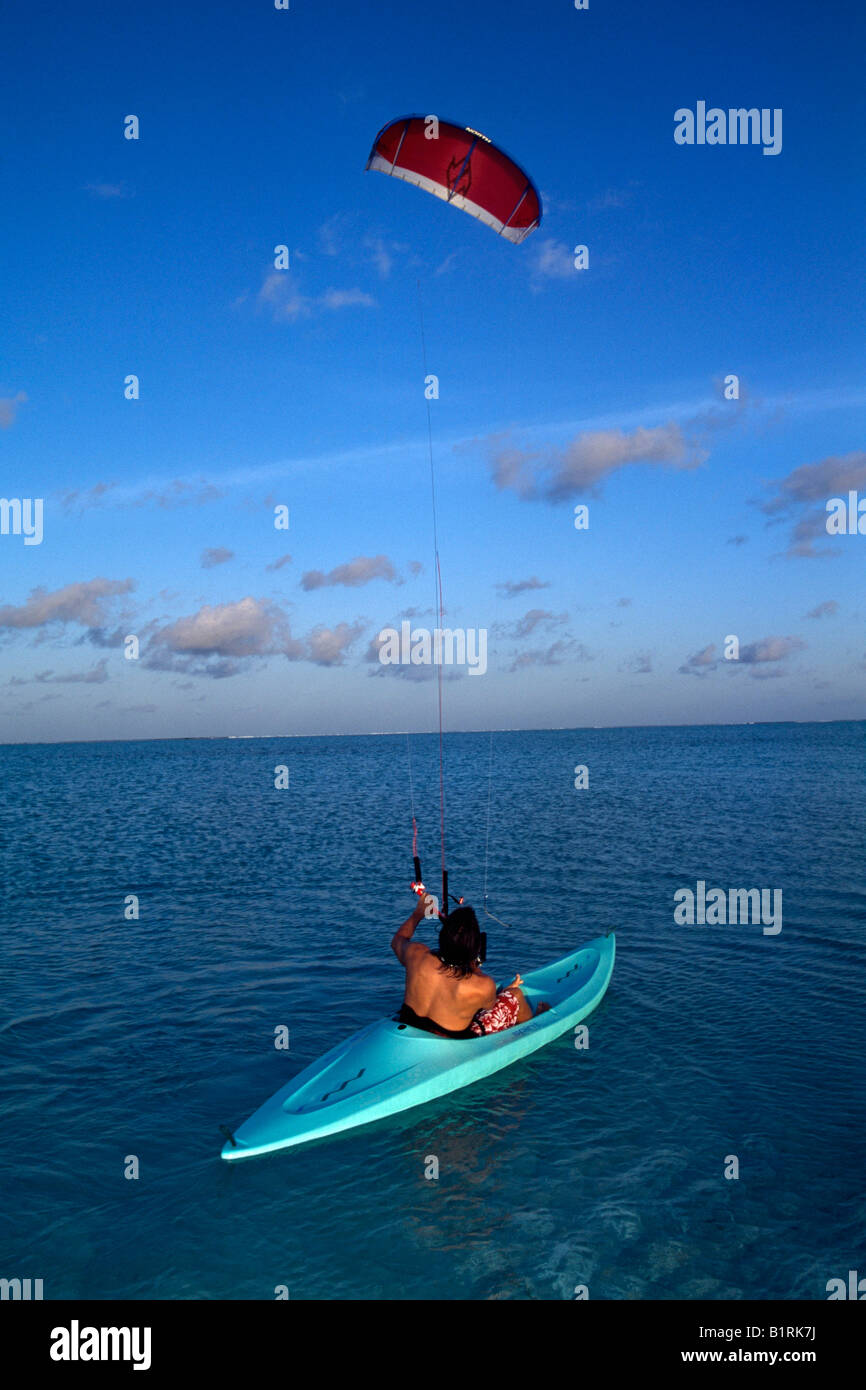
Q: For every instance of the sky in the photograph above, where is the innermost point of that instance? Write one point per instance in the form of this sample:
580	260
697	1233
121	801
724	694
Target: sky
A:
303	388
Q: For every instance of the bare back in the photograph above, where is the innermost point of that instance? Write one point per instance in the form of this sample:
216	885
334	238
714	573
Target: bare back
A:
439	994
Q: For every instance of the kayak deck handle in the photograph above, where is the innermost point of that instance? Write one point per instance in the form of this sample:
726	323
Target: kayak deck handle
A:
342	1086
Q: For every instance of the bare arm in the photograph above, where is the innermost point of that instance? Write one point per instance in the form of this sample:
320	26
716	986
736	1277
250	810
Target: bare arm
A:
401	941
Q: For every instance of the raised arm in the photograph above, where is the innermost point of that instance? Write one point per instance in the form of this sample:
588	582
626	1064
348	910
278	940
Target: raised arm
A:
402	941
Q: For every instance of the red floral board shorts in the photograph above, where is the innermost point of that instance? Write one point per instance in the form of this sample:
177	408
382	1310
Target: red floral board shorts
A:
502	1014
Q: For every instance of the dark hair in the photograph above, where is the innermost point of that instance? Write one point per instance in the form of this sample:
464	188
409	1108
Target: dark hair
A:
460	940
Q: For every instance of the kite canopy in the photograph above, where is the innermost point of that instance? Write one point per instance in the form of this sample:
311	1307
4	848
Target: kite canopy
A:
464	168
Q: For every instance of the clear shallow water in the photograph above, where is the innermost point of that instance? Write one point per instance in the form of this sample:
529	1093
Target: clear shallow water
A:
261	908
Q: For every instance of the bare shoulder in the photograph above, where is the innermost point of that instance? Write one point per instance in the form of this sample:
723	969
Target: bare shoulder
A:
414	953
482	988
409	953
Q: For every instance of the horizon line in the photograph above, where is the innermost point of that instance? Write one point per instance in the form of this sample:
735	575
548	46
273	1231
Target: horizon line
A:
420	733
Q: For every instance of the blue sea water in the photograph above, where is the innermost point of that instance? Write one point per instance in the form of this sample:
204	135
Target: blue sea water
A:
261	908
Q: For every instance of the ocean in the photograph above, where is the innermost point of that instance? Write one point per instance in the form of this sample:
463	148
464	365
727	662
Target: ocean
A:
126	1041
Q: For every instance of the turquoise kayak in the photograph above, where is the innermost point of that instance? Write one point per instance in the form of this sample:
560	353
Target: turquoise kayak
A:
389	1066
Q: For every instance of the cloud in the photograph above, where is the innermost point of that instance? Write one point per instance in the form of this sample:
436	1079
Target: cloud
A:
329	235
34	704
84	603
554	655
220	640
536	617
551	474
700	663
246	628
801	497
757	656
101	637
217	639
770	649
825	609
278	564
9	408
417	613
96	675
444	266
362	570
328	646
281	294
382	253
106	190
511	588
590	458
611	198
812	482
810	528
641	664
177	492
553	260
345	299
182	492
217	556
405	672
91	497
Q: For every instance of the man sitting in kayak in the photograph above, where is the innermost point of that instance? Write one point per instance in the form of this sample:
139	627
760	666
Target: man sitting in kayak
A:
447	992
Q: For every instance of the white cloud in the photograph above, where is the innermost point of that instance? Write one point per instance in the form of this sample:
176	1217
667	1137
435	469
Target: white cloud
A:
84	603
327	646
581	467
554	261
803	493
281	294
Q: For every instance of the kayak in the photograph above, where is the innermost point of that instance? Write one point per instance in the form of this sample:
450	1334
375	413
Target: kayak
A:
390	1066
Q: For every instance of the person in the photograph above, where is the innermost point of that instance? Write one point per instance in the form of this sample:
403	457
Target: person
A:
447	992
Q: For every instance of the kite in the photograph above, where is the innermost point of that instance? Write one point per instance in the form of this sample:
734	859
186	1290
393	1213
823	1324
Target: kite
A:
464	168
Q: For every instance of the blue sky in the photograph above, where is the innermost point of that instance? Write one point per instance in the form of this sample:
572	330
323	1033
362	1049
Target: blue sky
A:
155	257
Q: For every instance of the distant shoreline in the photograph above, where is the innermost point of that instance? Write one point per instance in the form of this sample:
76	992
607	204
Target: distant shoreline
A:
422	733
